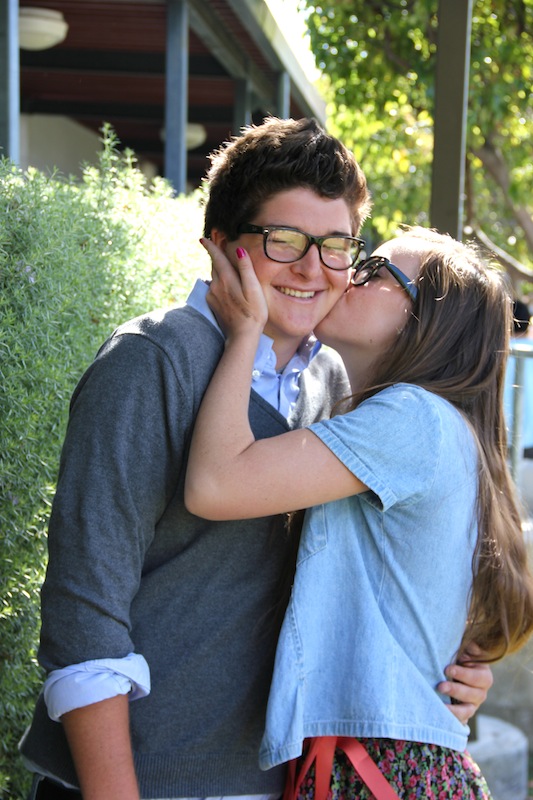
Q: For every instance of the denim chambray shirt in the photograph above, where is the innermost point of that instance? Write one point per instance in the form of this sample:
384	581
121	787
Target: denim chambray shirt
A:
380	596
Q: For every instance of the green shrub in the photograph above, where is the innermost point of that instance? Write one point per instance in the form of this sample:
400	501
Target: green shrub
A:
76	260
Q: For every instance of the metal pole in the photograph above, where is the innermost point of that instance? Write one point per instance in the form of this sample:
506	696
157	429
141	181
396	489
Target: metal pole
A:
451	101
518	416
9	81
242	112
177	76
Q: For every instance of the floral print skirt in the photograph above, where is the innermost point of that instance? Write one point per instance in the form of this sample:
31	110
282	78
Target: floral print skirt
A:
413	769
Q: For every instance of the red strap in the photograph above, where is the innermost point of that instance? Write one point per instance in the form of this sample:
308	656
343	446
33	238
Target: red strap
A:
325	750
367	769
290	782
322	750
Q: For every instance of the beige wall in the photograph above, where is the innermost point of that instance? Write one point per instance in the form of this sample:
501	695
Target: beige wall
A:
48	142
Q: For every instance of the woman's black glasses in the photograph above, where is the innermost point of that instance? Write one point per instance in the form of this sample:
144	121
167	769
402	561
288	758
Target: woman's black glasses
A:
367	268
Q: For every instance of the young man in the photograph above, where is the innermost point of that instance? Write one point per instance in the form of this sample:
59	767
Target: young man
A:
142	599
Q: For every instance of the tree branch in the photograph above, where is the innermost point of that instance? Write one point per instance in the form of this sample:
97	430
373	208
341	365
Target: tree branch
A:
516	270
494	162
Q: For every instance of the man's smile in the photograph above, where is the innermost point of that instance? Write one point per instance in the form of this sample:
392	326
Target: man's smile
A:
295	292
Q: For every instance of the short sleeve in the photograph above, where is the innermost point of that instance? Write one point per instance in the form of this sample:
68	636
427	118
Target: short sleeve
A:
391	442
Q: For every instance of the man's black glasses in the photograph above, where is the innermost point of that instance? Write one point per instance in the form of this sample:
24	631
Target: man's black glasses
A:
290	244
367	268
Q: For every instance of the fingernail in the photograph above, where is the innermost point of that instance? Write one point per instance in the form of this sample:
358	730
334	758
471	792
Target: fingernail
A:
241	252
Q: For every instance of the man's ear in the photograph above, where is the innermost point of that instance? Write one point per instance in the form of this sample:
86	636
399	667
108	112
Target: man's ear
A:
219	238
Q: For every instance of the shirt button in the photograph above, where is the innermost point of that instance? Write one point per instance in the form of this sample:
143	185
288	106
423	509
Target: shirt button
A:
256	373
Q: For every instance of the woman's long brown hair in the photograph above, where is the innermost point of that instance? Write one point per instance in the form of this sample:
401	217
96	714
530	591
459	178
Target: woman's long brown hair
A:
456	344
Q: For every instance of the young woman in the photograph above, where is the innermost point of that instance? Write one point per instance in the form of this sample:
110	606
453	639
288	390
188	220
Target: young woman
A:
411	549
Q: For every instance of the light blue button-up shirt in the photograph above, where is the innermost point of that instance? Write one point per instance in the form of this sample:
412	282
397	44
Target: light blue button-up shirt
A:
90	682
381	591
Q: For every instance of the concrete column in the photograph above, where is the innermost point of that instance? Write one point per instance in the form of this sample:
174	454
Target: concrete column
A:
501	752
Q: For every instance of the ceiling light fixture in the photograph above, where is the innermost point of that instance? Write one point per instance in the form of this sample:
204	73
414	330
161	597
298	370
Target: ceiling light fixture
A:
41	28
195	135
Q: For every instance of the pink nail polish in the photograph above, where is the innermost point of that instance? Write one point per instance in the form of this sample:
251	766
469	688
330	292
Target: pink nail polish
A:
241	252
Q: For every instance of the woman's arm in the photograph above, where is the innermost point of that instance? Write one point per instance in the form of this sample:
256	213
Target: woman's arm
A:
230	475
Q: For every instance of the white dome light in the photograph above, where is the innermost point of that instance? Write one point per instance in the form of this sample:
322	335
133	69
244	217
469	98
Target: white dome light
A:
41	28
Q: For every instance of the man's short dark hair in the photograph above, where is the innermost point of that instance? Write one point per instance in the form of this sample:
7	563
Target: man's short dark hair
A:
278	155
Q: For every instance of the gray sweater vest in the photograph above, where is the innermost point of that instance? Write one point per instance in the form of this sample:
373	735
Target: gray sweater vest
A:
131	570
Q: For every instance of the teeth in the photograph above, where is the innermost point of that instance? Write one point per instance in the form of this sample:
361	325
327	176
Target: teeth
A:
295	292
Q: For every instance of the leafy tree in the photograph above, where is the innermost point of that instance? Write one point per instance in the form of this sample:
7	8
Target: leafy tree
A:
379	59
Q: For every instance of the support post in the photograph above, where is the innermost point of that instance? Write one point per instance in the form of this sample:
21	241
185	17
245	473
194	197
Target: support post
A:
9	81
451	102
242	110
176	86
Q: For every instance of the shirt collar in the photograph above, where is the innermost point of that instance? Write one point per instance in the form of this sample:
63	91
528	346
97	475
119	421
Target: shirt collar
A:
265	357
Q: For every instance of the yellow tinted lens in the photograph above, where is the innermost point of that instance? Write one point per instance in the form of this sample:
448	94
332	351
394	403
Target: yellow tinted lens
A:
338	251
285	245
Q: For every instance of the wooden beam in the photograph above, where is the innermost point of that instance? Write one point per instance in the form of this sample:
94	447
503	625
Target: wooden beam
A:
224	47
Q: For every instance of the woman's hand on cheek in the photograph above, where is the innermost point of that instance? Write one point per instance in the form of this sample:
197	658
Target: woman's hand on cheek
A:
235	295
